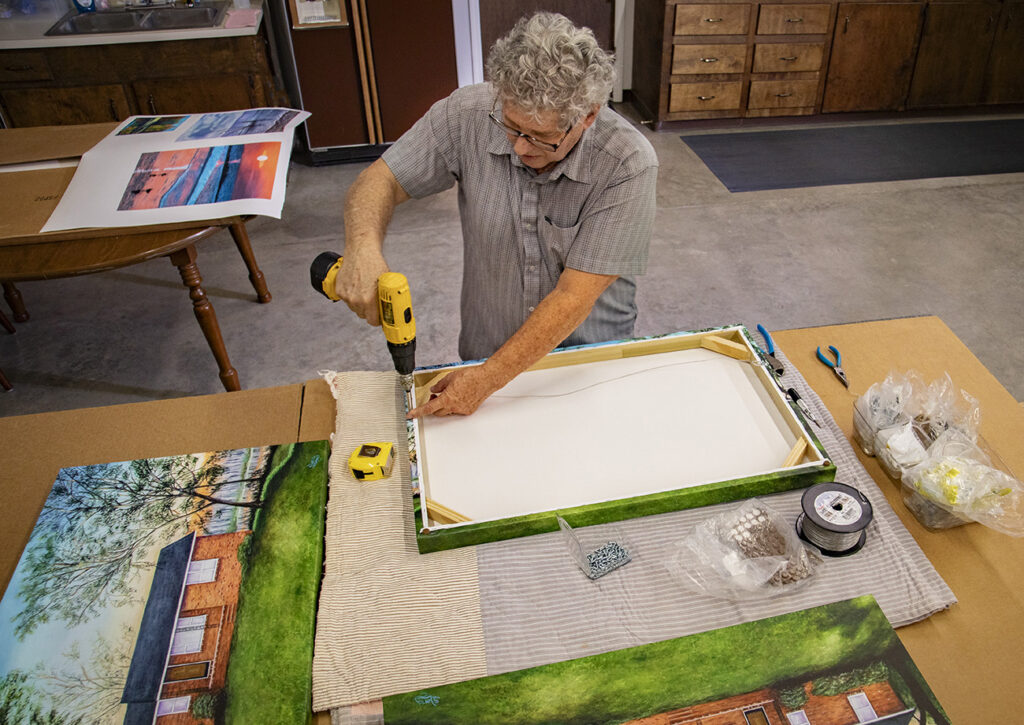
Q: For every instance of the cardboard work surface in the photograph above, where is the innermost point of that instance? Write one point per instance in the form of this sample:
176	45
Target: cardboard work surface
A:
970	652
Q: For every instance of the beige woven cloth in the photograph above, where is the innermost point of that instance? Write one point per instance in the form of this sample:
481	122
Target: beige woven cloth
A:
390	620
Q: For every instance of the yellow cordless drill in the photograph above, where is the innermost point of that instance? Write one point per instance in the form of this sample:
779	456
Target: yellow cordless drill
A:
395	306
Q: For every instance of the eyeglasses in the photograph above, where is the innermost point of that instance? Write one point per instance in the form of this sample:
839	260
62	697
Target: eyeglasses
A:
542	145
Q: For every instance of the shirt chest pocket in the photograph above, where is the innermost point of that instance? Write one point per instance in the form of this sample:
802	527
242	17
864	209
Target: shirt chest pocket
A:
556	241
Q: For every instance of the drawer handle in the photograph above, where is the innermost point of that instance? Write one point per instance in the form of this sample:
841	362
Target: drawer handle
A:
704	98
794	20
713	20
709	60
789	58
783	95
18	68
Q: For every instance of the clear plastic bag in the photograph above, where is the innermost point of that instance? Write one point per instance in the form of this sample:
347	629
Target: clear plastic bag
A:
750	552
898	418
879	408
957	482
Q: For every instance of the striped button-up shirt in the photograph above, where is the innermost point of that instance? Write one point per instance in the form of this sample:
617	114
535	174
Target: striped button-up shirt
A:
593	212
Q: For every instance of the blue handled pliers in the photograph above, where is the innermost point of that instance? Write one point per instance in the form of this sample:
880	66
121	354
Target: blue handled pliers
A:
770	353
837	366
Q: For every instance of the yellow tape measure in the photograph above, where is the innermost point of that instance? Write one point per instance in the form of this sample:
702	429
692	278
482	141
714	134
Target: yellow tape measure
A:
372	461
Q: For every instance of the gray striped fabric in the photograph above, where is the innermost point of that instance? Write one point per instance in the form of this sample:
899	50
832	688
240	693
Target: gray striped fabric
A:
537	607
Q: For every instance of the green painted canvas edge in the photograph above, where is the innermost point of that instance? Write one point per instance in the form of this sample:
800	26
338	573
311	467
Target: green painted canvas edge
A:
619	509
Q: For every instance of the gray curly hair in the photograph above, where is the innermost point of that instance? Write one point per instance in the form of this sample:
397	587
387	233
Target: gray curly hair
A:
546	63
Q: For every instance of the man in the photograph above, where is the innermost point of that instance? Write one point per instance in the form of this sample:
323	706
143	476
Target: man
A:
556	198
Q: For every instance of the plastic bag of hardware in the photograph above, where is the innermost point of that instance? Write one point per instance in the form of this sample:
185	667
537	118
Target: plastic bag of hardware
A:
901	446
596	555
879	408
957	482
940	406
750	552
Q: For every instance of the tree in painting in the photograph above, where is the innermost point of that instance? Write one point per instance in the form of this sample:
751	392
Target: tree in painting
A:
89	687
99	523
20	701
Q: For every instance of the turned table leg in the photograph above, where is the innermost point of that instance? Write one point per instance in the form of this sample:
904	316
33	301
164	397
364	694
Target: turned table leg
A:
241	237
13	297
185	261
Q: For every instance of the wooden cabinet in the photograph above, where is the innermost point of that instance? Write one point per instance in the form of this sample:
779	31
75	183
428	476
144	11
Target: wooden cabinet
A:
1005	73
729	59
872	56
953	54
736	58
94	83
196	95
79	104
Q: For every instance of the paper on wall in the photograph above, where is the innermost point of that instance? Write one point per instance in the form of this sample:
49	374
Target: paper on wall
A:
181	168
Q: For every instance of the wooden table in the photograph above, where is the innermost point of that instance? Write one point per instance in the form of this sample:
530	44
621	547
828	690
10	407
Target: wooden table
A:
969	654
49	256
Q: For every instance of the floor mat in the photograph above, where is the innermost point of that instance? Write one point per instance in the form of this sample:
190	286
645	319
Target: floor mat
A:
759	160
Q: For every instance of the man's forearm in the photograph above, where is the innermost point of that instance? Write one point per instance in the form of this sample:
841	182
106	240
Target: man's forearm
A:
558	314
369	204
371	200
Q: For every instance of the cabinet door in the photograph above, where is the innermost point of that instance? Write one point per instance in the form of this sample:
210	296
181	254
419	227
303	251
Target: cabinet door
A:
955	44
1006	64
195	95
413	53
65	106
872	56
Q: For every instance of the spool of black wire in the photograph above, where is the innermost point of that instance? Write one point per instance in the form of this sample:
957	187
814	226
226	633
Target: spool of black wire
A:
835	518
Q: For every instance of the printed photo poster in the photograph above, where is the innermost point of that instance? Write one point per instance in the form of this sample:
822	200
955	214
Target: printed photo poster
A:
164	586
182	168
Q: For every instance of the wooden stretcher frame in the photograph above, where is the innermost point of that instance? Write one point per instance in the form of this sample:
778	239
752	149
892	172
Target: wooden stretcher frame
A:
440	525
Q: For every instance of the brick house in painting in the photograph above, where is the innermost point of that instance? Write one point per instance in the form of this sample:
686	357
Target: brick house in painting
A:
182	647
876	703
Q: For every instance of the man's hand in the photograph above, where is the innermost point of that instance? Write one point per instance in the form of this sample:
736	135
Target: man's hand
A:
356	284
460	392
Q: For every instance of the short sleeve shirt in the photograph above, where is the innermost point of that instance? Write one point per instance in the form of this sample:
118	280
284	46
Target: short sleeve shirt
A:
593	212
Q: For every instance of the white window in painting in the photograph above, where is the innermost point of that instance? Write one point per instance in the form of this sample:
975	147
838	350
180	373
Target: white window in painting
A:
862	707
188	635
798	717
201	571
173	705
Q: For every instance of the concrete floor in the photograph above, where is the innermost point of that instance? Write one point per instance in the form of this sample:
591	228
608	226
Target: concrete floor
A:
951	247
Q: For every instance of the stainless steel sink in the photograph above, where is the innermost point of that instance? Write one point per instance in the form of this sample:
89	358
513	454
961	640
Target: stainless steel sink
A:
176	17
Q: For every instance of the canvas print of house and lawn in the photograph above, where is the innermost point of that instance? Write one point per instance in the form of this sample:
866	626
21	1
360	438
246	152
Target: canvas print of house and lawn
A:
837	664
174	591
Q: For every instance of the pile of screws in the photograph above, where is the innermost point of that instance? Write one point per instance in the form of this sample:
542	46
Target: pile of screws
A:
606	558
756	535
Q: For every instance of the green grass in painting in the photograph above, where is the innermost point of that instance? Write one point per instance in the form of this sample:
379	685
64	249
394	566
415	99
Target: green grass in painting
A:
619	686
270	670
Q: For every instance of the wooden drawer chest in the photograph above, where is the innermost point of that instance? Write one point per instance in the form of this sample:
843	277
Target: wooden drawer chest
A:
731	58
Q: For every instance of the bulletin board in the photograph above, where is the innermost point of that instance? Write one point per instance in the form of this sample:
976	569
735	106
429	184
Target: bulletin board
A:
607	432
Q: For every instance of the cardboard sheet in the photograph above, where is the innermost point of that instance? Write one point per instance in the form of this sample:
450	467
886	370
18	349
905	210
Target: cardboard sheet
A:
28	197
